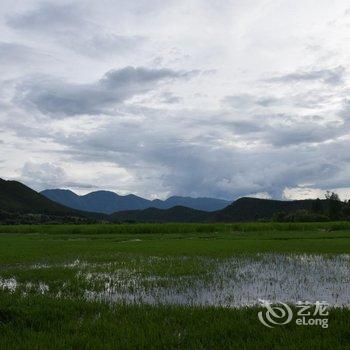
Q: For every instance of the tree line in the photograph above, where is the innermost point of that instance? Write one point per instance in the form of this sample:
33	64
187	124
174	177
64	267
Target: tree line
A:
331	208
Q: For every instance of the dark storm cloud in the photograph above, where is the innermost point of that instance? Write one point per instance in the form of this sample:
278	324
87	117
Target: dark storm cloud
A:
68	24
333	76
220	171
154	150
301	133
60	98
284	130
155	155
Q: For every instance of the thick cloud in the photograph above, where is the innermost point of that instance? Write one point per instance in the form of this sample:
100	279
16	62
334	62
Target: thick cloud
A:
344	112
304	132
67	24
334	76
47	175
154	154
48	16
59	98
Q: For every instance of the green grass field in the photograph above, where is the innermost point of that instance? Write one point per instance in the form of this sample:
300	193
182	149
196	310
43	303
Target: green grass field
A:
168	286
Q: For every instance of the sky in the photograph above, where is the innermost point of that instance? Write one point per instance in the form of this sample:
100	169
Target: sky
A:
215	98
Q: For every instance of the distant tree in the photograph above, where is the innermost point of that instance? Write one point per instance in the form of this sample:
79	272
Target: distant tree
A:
279	216
334	205
317	206
332	196
346	210
300	215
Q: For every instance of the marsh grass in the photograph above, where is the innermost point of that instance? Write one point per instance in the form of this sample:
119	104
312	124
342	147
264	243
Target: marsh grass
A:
169	286
179	228
43	323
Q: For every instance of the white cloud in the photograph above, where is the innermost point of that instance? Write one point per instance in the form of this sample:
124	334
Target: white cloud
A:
307	193
265	110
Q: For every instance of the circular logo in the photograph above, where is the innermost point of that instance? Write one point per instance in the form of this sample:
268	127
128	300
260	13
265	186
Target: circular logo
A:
275	315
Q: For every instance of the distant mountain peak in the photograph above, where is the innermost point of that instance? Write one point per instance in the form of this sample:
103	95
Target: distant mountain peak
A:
109	202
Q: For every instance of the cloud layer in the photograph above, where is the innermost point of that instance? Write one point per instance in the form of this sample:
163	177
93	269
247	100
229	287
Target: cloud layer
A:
55	97
225	99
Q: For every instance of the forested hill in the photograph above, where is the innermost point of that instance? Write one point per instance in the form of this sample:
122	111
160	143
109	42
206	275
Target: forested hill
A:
21	204
245	209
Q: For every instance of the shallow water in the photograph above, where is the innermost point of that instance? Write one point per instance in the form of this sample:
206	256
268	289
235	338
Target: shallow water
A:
237	282
11	285
234	282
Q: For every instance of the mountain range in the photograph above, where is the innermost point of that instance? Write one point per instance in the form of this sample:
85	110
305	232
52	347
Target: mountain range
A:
243	209
109	202
20	204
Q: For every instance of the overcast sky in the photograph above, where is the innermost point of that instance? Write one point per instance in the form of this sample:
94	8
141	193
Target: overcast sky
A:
220	98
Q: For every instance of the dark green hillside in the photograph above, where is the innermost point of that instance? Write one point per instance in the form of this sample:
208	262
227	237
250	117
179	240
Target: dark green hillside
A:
251	209
21	204
245	209
16	197
174	214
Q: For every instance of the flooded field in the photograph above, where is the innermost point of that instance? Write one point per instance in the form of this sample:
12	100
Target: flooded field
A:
171	286
192	281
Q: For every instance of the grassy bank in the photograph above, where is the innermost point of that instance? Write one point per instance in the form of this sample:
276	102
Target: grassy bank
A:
64	242
41	323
